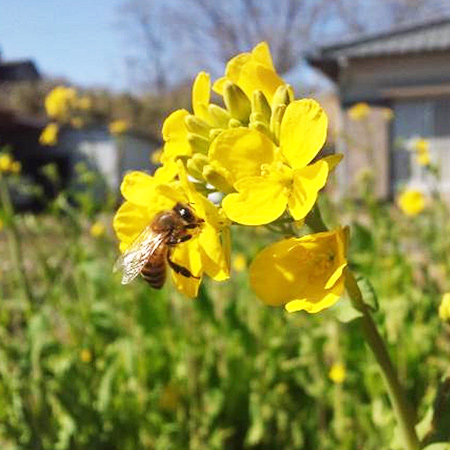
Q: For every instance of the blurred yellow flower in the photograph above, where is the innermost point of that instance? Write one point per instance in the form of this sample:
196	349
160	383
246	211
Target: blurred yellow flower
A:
421	145
411	202
239	262
423	158
6	162
86	355
77	122
206	252
305	273
59	102
118	127
359	111
388	114
49	135
16	167
444	307
337	373
97	229
84	103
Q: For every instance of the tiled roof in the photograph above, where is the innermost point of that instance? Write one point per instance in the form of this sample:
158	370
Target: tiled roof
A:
426	37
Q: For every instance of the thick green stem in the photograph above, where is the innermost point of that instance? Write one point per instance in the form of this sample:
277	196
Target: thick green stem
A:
403	411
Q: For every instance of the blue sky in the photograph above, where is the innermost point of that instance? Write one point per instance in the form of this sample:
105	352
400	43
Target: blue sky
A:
76	39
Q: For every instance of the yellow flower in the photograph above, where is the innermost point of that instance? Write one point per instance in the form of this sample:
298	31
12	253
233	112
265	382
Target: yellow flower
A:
444	308
239	262
411	202
6	162
252	71
97	229
59	102
77	122
146	196
269	179
305	273
423	158
86	355
388	114
359	111
337	373
118	127
49	135
421	145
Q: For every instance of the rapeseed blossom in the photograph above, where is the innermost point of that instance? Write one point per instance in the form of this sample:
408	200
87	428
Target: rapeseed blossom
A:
444	308
305	273
337	373
8	165
411	202
206	252
358	112
258	155
49	135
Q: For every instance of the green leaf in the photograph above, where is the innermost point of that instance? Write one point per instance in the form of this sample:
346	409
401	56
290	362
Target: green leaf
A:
438	446
344	311
369	295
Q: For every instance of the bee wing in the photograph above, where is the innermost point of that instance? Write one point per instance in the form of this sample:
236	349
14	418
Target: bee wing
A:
138	253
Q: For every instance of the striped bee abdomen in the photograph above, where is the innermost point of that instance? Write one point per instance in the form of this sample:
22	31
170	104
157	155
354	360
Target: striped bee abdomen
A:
154	271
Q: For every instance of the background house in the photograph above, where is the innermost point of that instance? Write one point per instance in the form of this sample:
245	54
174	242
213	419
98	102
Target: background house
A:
407	70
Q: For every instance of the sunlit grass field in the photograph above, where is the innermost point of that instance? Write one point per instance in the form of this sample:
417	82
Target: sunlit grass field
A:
86	363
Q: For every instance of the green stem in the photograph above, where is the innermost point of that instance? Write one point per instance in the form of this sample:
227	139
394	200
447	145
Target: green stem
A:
14	243
403	411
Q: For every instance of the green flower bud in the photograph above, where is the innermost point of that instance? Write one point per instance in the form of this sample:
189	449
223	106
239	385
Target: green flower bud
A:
217	177
275	122
198	143
193	169
283	96
233	123
196	125
261	106
214	133
219	115
260	126
236	102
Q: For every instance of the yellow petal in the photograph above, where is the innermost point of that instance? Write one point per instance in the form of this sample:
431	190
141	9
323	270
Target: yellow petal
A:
137	187
214	260
201	95
307	184
259	201
241	151
333	161
175	135
129	222
327	301
303	132
188	256
261	54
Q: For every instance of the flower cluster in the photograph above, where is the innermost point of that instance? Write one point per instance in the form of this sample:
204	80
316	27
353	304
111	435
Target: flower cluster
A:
8	165
64	106
257	157
421	148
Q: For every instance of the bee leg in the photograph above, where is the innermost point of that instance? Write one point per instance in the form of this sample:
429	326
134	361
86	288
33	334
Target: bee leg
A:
180	269
184	238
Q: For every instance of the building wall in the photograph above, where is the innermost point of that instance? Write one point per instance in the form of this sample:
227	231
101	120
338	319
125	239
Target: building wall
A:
384	78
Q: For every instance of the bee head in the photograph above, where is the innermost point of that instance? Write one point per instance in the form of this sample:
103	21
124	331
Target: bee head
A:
186	213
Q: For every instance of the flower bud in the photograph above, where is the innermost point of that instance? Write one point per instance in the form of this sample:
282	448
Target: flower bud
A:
275	122
219	116
217	177
283	96
236	102
197	125
261	107
234	123
198	143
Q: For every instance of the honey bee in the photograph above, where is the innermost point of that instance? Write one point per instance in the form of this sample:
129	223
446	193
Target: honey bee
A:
149	254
